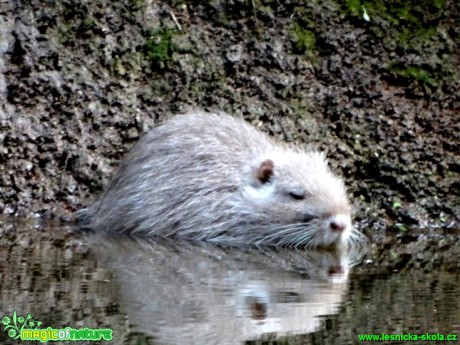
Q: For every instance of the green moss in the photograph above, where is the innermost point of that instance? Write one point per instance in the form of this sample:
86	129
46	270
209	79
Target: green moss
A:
118	67
415	73
64	35
126	64
159	47
410	14
354	6
304	40
89	23
407	26
137	5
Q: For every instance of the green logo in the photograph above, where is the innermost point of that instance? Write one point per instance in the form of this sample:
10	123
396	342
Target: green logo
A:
26	328
15	324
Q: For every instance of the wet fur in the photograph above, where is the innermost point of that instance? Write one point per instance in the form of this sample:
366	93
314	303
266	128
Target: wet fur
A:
207	177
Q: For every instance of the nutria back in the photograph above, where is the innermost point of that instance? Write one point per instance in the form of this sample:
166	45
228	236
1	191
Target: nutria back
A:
214	177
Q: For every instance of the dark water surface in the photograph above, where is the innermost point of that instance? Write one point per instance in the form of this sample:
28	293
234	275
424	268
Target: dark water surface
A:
177	293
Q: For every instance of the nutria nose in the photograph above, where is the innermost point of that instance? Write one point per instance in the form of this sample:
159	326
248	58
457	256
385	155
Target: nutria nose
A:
335	270
337	226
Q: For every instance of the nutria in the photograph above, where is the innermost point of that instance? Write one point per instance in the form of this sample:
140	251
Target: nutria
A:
213	177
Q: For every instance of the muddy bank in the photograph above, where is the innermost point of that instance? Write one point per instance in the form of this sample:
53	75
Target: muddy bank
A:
375	86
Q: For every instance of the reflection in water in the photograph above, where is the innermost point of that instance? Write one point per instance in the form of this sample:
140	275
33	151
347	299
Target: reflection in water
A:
169	293
176	292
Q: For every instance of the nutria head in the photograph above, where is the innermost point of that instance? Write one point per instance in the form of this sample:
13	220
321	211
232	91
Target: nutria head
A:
298	194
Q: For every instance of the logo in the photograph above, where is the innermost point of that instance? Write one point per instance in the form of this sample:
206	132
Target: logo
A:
28	329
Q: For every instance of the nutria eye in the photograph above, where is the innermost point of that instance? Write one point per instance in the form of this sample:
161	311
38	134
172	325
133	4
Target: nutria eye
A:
297	195
307	218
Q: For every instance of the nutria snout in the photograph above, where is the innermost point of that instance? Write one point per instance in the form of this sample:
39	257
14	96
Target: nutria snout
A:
213	177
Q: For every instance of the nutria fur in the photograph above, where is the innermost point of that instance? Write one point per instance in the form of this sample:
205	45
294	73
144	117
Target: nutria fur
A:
213	177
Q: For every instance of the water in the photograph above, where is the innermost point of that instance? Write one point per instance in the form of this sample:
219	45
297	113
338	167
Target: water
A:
176	293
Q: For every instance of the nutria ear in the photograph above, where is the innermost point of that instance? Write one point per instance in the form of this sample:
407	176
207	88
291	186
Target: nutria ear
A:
265	171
